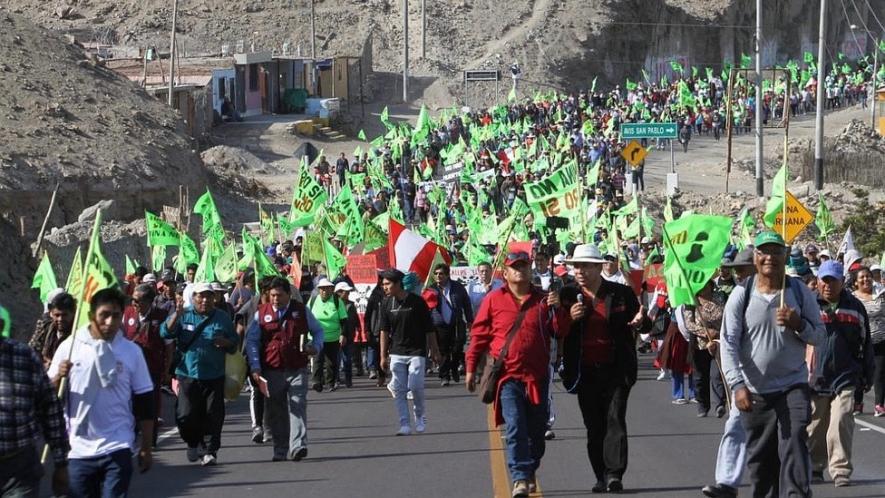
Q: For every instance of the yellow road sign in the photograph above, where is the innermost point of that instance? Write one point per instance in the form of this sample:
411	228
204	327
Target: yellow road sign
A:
798	217
634	153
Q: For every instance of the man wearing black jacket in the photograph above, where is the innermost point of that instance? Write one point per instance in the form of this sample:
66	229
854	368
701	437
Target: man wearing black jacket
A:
452	315
599	362
372	319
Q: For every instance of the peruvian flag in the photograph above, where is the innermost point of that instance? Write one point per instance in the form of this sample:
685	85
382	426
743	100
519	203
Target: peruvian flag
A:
412	252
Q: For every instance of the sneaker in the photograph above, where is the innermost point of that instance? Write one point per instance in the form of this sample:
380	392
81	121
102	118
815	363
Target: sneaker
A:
599	487
318	387
520	489
693	400
879	411
842	481
858	409
404	430
549	435
209	459
193	454
719	491
299	455
702	413
409	395
679	401
420	425
720	411
373	375
614	485
334	387
444	383
257	435
817	476
390	388
662	375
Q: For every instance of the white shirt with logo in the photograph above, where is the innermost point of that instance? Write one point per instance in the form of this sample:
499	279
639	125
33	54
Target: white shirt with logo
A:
100	423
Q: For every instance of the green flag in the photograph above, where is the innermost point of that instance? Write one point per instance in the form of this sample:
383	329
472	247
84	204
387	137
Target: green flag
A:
593	83
205	207
511	96
747	228
362	136
130	266
677	67
630	85
823	219
746	61
694	246
778	195
352	229
686	97
307	197
187	253
44	278
159	233
385	118
335	261
97	274
158	258
668	210
74	284
648	224
808	57
226	266
632	207
593	175
652	255
206	269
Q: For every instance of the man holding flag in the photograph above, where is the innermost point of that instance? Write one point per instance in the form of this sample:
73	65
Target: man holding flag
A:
765	329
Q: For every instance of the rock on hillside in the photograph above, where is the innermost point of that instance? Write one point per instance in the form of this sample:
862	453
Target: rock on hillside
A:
64	118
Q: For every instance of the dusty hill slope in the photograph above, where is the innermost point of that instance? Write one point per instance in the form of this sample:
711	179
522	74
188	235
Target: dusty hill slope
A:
65	119
561	43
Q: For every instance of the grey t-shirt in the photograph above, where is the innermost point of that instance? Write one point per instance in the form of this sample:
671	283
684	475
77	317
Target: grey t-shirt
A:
760	354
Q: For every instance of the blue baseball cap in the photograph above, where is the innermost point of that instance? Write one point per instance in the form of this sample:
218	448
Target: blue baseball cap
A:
832	269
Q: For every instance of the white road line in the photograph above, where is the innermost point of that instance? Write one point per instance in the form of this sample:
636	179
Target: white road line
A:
869	425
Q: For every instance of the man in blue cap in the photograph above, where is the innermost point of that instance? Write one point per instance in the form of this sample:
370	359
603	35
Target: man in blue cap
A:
842	363
765	329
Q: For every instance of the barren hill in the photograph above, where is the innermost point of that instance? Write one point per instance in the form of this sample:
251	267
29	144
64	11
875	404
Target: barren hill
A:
559	43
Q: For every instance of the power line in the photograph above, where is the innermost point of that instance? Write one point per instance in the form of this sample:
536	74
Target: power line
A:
873	13
845	12
860	18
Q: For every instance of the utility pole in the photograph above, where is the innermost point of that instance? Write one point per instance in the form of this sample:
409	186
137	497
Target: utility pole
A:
313	32
819	117
760	179
405	51
172	53
423	29
874	92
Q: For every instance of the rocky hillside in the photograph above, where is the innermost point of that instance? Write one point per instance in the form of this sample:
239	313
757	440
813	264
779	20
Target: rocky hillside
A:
66	119
559	43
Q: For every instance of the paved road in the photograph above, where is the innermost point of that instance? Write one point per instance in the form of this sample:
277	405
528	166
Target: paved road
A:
353	452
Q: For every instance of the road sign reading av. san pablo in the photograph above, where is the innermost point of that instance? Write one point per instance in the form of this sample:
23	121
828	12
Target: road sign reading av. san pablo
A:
649	130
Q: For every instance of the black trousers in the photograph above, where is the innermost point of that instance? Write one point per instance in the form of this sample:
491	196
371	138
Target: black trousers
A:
707	379
199	411
879	373
778	460
602	397
326	371
451	348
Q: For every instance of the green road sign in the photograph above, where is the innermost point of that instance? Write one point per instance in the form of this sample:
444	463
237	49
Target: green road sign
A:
649	130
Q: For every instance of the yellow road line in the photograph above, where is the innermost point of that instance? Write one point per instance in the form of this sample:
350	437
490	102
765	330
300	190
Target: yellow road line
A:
501	485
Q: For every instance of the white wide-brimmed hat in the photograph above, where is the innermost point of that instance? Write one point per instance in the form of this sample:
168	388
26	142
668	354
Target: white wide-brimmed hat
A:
586	253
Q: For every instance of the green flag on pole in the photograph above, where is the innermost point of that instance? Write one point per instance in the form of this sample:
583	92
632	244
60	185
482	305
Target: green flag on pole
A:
824	219
74	284
694	246
130	266
778	196
44	278
97	274
205	207
159	233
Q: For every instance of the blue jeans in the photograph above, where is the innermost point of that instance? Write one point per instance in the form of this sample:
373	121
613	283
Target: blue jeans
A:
679	386
732	456
101	477
524	427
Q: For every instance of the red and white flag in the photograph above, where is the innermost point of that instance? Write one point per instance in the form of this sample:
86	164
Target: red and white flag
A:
410	252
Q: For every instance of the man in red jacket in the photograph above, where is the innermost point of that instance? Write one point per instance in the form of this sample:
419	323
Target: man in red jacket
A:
278	349
141	325
521	403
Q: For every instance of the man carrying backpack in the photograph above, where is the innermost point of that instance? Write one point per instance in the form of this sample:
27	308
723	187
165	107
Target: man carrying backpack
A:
763	356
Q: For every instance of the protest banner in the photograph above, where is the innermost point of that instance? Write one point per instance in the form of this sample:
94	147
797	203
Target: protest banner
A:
557	195
363	270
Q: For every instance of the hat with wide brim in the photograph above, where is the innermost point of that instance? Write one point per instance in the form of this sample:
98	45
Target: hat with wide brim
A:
586	253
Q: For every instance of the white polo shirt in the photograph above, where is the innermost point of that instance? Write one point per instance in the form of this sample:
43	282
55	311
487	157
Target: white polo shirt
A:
100	419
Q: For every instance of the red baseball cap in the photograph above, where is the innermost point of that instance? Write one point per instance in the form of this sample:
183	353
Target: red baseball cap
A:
516	257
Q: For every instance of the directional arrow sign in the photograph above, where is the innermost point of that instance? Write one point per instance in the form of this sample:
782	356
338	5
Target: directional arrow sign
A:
634	153
649	130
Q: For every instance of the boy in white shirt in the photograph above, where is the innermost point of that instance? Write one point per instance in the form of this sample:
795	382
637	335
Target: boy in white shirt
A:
109	388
